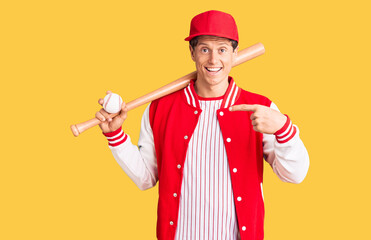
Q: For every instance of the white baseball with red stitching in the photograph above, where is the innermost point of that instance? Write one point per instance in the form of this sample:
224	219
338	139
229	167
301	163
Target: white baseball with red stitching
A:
112	103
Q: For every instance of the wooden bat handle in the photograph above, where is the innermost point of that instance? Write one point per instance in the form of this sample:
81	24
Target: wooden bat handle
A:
242	56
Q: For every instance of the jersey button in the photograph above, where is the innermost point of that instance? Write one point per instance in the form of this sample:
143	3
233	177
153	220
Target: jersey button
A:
175	195
239	199
171	223
234	170
179	166
196	112
185	137
229	140
221	113
243	228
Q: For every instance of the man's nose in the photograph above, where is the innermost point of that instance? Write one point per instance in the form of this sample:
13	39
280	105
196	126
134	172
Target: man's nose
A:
213	58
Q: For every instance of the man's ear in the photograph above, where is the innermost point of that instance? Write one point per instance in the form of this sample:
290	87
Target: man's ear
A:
192	52
235	52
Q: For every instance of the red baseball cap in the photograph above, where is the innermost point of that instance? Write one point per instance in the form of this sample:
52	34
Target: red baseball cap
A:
214	23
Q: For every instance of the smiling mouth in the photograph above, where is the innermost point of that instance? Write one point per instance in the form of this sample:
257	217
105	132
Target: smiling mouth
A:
214	70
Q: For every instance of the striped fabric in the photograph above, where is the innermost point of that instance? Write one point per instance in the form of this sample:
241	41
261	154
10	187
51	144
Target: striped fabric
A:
116	138
189	95
287	132
206	208
230	96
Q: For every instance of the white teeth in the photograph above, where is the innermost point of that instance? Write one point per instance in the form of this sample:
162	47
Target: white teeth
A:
213	69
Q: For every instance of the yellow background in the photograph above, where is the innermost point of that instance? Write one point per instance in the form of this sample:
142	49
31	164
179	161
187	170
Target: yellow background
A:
59	57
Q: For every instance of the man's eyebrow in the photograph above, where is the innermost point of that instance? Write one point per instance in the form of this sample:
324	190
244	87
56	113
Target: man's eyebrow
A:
224	44
219	44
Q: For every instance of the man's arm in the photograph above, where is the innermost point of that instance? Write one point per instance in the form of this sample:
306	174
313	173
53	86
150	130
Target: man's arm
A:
140	164
282	146
286	153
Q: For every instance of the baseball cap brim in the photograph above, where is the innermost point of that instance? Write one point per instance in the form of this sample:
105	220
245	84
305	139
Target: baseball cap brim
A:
208	34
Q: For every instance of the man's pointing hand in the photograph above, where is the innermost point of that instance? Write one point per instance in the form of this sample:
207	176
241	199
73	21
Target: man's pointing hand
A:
264	119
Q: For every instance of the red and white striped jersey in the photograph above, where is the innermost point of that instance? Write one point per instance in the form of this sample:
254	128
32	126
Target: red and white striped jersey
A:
206	209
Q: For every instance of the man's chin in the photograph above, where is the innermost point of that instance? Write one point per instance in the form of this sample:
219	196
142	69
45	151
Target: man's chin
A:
215	80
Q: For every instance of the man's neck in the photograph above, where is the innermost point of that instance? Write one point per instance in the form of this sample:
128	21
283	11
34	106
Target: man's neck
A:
210	91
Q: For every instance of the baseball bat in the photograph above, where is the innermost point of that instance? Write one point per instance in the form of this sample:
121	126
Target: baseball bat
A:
242	56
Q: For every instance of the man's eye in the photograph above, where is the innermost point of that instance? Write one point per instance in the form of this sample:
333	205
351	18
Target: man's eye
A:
223	50
204	50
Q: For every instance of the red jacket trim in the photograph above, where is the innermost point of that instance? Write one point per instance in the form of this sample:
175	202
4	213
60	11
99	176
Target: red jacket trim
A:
230	96
287	132
116	137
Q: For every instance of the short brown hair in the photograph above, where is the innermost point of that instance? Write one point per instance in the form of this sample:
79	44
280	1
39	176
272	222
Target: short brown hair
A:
193	42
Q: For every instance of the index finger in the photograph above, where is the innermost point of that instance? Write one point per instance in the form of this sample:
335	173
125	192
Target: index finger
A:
244	107
101	101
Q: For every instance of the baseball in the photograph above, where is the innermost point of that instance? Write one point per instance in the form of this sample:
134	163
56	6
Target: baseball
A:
112	103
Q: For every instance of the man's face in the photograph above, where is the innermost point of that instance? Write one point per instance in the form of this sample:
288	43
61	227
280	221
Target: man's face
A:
214	57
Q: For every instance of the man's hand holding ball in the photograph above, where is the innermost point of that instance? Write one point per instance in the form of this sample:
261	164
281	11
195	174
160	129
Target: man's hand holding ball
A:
113	113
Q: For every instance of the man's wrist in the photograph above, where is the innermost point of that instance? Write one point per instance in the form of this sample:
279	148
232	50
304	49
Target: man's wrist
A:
116	137
287	131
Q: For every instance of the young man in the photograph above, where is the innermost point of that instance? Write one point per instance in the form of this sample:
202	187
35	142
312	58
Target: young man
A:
205	145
